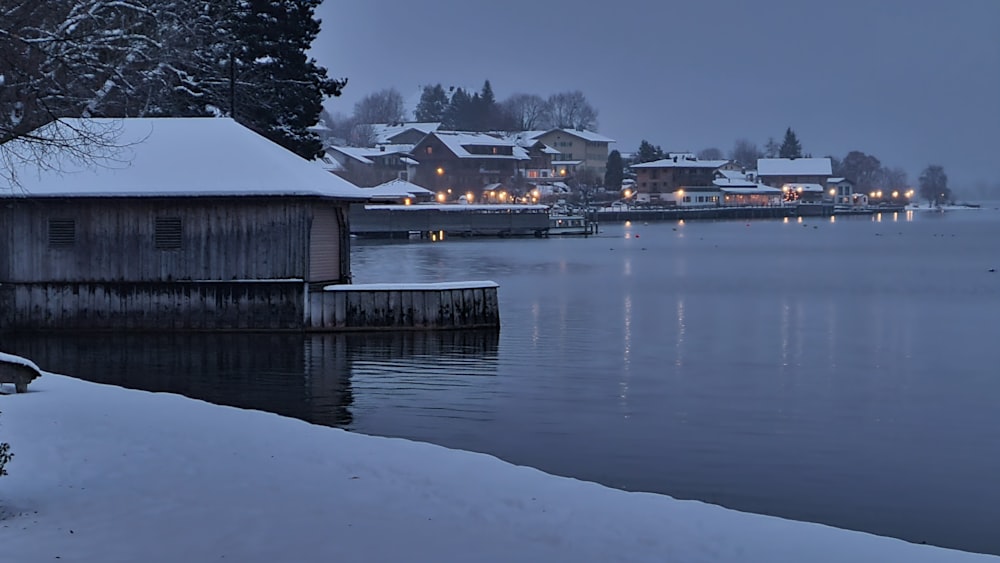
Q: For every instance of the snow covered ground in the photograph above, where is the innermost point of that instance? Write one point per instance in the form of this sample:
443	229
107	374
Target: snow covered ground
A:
104	474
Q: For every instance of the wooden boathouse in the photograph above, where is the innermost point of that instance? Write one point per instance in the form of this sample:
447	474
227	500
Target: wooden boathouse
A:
192	224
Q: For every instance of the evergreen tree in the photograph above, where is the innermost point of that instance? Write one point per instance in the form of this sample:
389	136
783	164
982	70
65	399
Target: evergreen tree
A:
614	172
271	38
432	105
456	115
648	152
487	113
790	148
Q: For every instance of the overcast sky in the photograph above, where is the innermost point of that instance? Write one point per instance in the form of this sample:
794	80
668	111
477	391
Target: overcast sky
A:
913	82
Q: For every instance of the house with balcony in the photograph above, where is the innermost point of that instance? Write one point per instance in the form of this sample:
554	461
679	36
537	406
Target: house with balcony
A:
680	179
578	149
467	164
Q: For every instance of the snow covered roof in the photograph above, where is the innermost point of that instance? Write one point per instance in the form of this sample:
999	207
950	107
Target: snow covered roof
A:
735	174
365	155
384	132
397	188
794	167
734	183
838	181
329	164
357	153
679	161
174	157
457	141
580	133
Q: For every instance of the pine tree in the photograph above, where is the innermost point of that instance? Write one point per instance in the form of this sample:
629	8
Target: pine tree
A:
648	153
614	172
456	115
287	89
432	105
790	148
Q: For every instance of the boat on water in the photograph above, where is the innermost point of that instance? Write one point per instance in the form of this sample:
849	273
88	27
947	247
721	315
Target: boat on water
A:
560	224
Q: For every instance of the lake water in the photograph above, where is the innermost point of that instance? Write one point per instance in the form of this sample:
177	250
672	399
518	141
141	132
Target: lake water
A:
838	371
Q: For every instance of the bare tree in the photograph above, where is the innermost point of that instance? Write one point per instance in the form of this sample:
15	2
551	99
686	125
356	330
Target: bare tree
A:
384	106
711	153
572	110
528	111
60	59
746	153
362	135
65	58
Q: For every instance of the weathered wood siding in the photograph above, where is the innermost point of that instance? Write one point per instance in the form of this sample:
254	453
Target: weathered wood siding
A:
6	241
324	245
221	239
360	307
153	306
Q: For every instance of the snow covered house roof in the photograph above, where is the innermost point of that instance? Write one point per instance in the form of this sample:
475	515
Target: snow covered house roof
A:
457	141
682	161
735	174
365	155
838	181
580	133
172	157
384	132
330	164
794	167
397	188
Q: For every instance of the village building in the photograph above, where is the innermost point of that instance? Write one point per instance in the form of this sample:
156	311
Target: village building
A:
776	172
680	179
191	223
370	166
462	166
578	150
841	191
740	189
402	133
399	191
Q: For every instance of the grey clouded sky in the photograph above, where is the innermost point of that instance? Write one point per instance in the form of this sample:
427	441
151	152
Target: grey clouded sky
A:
914	82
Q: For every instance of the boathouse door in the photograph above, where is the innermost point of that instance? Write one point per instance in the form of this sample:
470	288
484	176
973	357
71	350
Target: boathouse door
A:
325	245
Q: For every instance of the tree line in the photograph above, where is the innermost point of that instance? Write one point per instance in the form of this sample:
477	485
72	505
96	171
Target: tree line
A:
866	172
148	58
458	109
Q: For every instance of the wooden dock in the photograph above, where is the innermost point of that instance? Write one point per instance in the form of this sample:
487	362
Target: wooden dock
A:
264	305
448	220
456	305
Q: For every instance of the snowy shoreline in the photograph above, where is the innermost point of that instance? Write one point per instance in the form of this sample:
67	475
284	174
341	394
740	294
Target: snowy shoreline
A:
108	474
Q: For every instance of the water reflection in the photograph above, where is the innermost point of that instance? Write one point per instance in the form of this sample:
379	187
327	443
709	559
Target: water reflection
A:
302	376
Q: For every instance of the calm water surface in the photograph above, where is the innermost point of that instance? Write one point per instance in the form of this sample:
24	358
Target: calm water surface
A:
838	371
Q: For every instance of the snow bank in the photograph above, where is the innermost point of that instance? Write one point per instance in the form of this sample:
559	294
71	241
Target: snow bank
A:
108	474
